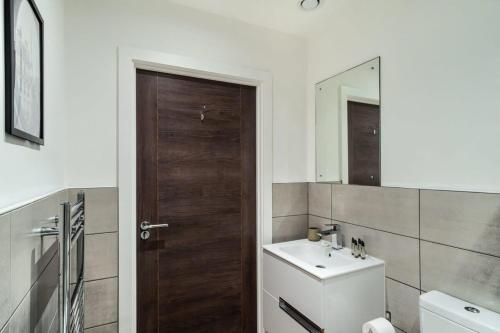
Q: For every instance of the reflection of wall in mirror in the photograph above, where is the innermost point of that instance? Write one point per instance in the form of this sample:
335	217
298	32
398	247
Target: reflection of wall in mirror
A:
359	84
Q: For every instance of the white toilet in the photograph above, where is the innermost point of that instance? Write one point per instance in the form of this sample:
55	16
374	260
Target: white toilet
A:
440	313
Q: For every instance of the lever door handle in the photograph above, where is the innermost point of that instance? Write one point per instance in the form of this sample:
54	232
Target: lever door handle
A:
148	226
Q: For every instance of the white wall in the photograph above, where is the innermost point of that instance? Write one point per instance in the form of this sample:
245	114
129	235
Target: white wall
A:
95	29
27	170
440	71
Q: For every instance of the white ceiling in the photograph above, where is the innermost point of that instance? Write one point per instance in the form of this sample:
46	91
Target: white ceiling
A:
281	15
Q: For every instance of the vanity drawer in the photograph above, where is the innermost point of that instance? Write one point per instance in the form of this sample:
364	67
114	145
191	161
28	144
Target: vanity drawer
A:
276	320
299	289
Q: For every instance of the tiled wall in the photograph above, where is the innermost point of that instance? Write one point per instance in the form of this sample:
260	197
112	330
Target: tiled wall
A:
29	268
290	211
443	240
29	264
101	259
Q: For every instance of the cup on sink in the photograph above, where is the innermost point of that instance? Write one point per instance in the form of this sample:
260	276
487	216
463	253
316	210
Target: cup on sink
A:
313	234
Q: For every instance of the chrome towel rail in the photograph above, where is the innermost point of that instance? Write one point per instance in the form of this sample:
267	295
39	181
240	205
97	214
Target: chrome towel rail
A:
71	262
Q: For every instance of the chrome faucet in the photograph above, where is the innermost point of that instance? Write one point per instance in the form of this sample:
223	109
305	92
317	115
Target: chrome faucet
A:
328	235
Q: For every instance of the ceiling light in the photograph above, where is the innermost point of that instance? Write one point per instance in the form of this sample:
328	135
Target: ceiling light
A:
309	4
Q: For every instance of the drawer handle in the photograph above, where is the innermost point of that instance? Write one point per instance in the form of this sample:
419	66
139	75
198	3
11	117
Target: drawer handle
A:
302	320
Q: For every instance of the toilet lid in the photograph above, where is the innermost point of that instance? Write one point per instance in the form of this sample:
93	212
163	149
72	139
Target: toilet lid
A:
466	314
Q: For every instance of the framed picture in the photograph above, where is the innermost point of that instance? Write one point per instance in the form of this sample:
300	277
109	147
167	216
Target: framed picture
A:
23	70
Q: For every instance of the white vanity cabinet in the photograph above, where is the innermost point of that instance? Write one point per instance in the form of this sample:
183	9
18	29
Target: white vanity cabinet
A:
296	300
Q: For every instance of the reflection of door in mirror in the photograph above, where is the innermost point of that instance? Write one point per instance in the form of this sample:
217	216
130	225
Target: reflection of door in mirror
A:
363	121
336	153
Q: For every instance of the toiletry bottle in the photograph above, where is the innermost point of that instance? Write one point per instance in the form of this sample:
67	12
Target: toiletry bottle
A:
363	250
354	244
357	253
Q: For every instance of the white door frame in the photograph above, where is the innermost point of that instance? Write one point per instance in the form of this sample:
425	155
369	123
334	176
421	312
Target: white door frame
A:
129	60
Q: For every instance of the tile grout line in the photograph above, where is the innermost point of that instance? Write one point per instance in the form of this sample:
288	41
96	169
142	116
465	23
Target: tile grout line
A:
101	279
359	225
461	248
412	237
112	232
308	211
419	240
29	290
100	325
275	217
404	283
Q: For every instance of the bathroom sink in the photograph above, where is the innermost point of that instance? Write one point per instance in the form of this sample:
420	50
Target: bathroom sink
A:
318	260
308	287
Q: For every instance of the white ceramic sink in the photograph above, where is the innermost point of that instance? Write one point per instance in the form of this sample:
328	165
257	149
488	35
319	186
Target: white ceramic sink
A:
320	261
309	287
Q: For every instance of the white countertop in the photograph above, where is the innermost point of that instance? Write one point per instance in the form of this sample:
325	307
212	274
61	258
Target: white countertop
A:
306	255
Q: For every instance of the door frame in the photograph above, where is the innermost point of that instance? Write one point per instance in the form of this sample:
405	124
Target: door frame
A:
131	59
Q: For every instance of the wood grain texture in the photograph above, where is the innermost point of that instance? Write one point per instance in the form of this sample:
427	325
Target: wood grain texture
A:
147	254
203	176
363	121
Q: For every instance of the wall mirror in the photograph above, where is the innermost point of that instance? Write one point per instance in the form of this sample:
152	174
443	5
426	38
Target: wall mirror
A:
348	126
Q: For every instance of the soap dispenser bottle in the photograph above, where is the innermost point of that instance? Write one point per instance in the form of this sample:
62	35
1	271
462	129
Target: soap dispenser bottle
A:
362	251
354	245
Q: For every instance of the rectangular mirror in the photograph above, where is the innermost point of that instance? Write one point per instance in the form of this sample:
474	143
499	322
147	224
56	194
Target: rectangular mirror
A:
348	126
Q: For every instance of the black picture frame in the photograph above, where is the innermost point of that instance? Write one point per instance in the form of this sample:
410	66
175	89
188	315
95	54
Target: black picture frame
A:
10	64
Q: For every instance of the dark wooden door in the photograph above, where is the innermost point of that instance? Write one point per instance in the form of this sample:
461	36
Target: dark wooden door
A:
199	176
363	122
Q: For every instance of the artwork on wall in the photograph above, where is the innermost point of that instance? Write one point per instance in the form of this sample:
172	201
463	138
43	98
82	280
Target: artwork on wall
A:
24	70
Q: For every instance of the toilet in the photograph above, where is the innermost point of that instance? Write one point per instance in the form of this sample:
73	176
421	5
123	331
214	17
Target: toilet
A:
441	313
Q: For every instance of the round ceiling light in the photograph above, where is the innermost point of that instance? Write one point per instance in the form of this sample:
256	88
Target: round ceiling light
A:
309	4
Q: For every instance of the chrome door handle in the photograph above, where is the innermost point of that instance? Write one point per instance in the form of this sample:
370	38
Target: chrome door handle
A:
147	226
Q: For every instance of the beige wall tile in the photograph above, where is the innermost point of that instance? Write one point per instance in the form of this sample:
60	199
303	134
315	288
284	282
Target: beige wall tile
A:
389	209
289	199
101	256
110	328
462	219
402	301
400	253
101	302
40	305
5	307
6	329
101	209
318	222
320	199
463	274
31	253
289	228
